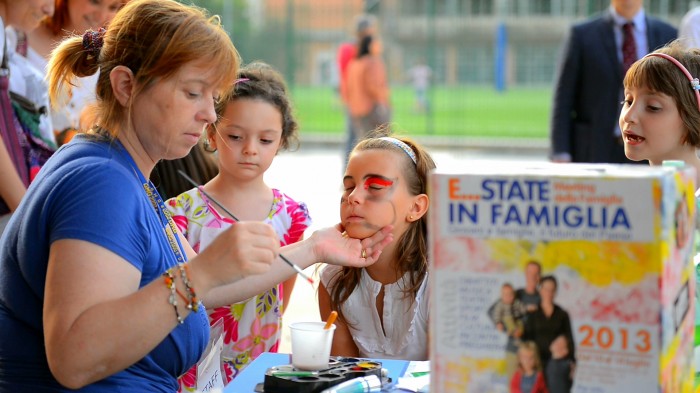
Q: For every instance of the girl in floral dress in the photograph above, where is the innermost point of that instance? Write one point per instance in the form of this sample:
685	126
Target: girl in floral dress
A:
254	123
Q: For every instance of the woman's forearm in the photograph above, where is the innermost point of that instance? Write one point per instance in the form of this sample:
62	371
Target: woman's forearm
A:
300	253
326	245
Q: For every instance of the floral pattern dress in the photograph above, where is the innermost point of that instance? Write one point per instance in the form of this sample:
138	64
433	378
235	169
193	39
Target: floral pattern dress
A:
253	326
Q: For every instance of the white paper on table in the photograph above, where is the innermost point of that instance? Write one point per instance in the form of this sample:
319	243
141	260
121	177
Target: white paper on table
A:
416	378
417	367
414	384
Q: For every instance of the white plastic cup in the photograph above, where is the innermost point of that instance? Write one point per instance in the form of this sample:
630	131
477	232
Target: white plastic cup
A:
311	345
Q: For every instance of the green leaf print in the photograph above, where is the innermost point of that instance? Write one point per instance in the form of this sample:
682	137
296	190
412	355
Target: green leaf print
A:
185	200
237	310
200	212
266	302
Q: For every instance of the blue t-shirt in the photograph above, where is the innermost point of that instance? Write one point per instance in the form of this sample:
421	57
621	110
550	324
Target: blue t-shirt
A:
88	190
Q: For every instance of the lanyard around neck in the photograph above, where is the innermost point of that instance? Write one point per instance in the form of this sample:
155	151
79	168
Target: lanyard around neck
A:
159	206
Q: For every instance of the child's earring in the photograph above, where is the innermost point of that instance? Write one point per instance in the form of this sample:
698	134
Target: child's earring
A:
208	147
410	218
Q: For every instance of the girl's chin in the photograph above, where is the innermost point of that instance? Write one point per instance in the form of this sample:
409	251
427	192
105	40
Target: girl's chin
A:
634	156
637	159
359	233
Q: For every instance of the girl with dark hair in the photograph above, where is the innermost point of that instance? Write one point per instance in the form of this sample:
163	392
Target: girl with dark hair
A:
255	122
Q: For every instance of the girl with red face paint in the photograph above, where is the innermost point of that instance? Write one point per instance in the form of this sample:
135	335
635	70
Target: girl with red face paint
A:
383	308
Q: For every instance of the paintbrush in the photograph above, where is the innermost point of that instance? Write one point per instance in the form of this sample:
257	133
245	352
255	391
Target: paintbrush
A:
290	263
331	319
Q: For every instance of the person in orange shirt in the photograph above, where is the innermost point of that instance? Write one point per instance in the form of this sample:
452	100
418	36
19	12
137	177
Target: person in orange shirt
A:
366	90
365	26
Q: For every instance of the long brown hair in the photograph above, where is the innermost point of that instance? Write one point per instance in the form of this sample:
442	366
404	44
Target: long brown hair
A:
154	39
412	245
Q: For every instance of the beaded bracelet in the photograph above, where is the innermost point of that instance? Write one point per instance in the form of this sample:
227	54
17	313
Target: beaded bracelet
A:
193	302
179	293
169	279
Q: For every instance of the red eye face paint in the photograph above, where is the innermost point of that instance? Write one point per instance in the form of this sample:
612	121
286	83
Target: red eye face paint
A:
377	182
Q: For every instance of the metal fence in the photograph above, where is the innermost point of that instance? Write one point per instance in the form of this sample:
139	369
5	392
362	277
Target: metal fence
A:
502	45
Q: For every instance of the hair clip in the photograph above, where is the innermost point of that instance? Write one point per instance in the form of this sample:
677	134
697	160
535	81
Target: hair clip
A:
93	40
239	80
694	82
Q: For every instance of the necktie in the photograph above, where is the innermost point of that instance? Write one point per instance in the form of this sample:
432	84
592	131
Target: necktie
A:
629	47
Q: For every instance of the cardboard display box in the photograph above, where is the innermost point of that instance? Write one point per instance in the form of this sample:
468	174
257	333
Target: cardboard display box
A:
618	241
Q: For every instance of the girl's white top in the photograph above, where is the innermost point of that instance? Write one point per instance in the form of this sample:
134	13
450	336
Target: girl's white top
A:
67	113
405	334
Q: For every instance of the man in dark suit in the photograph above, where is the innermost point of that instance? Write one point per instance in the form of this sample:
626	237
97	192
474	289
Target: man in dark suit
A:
588	88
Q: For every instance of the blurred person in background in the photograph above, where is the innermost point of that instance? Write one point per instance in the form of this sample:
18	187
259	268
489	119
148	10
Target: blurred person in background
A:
366	89
689	29
71	17
22	15
420	76
588	85
365	26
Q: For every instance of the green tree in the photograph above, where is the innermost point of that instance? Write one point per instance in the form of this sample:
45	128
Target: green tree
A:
271	43
234	15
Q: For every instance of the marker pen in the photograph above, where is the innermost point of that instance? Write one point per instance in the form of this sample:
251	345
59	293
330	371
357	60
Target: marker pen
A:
366	384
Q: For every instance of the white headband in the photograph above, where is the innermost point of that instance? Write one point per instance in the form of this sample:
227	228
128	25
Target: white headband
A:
401	145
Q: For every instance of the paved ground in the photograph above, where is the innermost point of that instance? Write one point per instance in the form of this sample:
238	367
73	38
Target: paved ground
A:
313	175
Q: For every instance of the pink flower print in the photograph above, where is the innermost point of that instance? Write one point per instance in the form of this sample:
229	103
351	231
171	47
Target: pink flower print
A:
300	216
219	222
229	372
33	171
188	380
255	342
228	314
181	222
275	347
209	208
